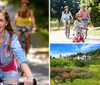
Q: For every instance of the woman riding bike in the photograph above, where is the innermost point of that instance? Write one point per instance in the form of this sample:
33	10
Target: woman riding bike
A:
66	17
24	18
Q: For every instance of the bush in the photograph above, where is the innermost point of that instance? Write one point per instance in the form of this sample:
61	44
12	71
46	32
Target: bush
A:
80	73
57	71
59	63
82	63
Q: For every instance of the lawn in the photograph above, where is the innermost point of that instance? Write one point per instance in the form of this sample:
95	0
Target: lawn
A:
94	32
79	82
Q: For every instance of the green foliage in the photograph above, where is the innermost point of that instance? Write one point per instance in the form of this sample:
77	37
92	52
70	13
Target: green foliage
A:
56	62
81	63
95	54
57	6
95	71
75	73
80	73
62	63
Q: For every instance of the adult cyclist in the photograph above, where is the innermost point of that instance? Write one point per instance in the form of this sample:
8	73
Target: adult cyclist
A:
25	18
85	16
66	18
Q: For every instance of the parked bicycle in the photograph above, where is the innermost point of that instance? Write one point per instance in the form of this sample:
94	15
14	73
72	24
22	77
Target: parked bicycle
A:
62	77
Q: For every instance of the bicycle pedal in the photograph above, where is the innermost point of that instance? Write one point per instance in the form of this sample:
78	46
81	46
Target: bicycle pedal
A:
34	82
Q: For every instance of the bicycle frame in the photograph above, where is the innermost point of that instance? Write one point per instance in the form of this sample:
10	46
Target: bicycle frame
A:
80	37
67	29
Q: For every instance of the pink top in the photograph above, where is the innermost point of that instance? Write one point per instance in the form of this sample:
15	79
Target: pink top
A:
84	13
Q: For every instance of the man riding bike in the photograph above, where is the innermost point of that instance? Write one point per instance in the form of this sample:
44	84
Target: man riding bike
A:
85	16
66	17
24	18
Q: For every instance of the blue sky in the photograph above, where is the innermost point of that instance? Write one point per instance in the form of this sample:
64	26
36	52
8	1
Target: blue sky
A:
68	49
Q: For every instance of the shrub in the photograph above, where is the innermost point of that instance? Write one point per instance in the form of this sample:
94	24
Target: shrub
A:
80	73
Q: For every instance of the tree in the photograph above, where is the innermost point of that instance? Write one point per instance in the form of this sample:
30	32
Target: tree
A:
57	6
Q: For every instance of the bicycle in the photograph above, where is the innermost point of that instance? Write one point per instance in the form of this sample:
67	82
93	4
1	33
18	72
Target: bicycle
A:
23	41
80	37
62	77
20	83
67	29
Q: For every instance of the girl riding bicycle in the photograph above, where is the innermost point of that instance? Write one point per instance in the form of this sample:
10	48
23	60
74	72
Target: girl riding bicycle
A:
79	25
66	17
10	50
24	18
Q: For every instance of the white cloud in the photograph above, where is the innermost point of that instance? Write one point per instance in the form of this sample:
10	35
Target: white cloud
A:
87	47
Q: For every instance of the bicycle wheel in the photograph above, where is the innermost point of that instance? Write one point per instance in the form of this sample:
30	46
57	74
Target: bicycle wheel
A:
57	79
67	32
85	34
71	79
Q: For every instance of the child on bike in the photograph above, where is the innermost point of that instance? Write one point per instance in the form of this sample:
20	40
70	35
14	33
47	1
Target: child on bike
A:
78	26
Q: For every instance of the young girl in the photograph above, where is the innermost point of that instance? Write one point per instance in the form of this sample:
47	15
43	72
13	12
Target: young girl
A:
78	25
9	47
66	17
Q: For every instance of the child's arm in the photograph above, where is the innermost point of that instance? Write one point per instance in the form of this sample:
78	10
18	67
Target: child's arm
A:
76	24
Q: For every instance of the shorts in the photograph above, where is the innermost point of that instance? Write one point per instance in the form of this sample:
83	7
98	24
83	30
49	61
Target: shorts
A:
85	20
10	75
26	28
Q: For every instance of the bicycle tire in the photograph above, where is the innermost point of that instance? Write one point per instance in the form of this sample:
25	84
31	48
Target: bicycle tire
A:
57	79
85	36
67	32
71	79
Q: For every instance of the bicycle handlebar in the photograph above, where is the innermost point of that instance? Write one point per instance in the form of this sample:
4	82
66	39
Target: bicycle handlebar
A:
22	83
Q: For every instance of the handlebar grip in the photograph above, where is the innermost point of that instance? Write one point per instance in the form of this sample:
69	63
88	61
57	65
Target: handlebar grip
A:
34	82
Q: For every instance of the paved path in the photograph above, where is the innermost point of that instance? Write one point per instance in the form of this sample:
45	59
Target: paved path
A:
59	37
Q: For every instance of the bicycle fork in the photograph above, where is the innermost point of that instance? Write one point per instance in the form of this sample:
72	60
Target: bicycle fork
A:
67	31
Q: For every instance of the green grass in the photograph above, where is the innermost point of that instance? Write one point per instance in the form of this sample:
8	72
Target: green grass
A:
94	32
79	82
